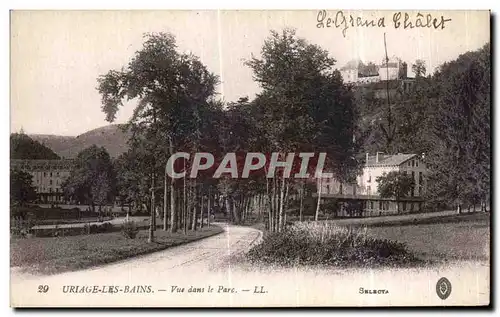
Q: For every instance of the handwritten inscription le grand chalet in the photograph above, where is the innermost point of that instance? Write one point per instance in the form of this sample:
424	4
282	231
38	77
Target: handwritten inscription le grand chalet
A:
343	21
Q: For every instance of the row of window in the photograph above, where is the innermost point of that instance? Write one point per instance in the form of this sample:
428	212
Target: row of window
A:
50	190
413	163
50	174
420	176
50	182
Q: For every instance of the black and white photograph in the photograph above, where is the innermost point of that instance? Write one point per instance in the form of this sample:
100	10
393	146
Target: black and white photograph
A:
250	158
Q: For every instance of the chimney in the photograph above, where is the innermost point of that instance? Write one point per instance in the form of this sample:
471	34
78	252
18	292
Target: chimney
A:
376	159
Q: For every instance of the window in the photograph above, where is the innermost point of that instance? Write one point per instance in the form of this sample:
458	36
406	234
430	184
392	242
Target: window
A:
420	178
380	206
50	182
369	178
57	190
404	206
416	163
50	174
409	163
371	204
57	174
368	190
44	174
50	190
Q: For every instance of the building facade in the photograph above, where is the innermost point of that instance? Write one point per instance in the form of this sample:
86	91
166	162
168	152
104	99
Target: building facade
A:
48	176
355	72
366	192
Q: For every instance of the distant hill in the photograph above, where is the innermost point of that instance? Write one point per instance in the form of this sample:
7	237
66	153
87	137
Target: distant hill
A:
111	137
22	147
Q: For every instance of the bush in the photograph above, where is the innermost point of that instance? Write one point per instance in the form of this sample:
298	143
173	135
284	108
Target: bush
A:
327	244
129	229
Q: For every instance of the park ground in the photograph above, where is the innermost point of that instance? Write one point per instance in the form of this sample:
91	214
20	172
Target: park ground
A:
440	238
209	263
60	254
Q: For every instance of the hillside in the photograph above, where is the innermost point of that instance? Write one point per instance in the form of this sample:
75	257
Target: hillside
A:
25	148
111	137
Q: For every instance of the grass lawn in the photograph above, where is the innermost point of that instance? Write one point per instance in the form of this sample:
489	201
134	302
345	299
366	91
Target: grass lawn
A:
55	255
465	237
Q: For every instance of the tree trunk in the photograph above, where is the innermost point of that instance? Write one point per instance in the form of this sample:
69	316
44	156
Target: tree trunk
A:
235	212
270	206
282	204
316	217
209	207
228	206
201	210
195	205
184	208
165	213
151	237
285	206
301	207
173	211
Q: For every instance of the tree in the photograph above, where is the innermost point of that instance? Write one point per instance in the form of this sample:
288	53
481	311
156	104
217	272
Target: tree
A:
171	88
419	68
395	185
21	188
461	152
23	147
303	106
93	179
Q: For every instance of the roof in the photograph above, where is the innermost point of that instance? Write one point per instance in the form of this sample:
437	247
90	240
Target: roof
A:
33	165
352	64
389	65
388	160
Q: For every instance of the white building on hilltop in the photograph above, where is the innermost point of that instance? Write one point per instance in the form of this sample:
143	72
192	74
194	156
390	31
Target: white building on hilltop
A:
356	72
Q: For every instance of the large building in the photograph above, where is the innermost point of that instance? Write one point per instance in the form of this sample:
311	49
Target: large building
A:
356	72
48	176
366	191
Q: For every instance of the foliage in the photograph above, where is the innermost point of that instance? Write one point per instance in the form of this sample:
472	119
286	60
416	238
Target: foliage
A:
21	188
395	184
93	180
129	229
303	107
321	243
419	68
175	94
461	152
22	147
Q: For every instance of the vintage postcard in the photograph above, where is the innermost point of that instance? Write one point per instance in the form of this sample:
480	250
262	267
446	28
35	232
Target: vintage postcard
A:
218	158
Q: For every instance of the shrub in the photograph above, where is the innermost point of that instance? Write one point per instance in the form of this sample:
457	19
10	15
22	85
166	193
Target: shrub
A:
107	227
327	244
129	229
94	228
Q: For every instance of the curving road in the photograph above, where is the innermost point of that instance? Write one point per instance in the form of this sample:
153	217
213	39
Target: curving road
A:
199	275
210	255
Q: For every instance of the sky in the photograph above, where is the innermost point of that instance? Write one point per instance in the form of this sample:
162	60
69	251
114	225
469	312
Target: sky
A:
56	56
